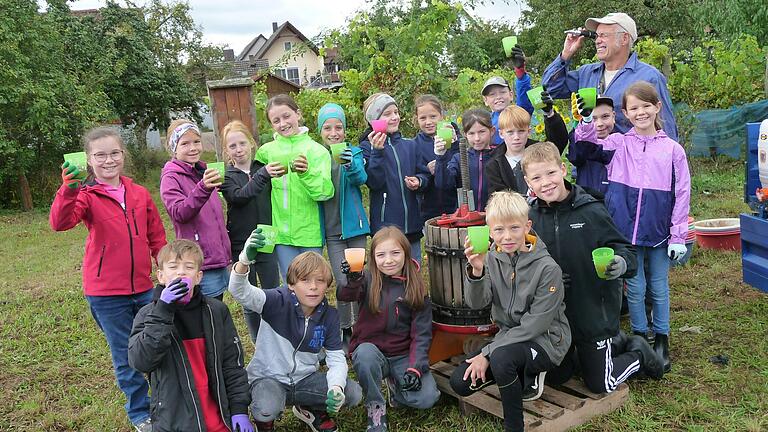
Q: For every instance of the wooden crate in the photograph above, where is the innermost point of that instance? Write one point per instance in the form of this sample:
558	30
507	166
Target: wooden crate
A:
558	409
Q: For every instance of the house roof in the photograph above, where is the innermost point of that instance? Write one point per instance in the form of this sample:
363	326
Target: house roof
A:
286	25
266	75
250	45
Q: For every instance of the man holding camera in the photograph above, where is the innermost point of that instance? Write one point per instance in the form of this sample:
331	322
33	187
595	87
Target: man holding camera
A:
619	67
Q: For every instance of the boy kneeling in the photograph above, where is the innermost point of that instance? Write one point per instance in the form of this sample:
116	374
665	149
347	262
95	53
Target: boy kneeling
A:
188	345
524	285
296	323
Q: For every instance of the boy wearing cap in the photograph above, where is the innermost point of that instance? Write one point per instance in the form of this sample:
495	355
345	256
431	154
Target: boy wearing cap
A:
497	95
617	69
592	174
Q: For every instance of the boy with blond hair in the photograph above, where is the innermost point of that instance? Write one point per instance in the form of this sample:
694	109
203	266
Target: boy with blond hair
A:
188	345
296	323
524	286
514	124
574	223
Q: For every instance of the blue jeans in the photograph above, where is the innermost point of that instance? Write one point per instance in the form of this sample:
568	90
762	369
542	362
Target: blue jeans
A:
657	286
215	282
286	254
416	250
372	366
114	315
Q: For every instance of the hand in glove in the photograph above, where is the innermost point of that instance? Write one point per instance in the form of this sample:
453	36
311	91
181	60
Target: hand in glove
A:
548	102
566	281
586	113
174	291
411	380
518	61
334	399
255	242
346	156
241	423
351	276
676	251
71	175
615	268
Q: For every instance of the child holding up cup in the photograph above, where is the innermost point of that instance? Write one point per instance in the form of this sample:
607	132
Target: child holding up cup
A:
125	234
345	222
188	188
305	183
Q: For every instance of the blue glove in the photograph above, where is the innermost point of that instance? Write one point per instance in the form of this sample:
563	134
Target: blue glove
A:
241	423
346	156
174	291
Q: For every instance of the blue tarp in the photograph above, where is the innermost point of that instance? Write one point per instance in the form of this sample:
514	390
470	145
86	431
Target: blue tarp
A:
723	131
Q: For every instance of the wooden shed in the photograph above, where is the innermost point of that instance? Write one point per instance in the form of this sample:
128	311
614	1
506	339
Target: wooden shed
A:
232	99
276	84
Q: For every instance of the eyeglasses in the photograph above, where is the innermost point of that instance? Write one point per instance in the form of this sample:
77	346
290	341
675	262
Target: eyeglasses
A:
102	157
605	34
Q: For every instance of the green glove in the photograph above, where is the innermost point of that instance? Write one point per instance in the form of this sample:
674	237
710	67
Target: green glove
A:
255	242
70	175
334	399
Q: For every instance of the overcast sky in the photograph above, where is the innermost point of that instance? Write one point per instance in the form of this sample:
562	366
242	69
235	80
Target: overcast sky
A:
236	22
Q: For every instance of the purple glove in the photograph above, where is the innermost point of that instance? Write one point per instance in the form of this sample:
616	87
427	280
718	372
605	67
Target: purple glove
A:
174	291
241	423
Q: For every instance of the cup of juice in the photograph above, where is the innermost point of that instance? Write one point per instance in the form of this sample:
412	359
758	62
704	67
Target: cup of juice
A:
601	257
356	258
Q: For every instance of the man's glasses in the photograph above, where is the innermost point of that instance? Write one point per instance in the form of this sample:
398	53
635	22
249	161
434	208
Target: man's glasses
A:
606	34
102	157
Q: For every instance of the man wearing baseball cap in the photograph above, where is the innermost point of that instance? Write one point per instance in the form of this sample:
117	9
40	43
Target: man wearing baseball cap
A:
618	68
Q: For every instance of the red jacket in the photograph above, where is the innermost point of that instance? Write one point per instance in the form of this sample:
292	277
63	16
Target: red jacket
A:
120	244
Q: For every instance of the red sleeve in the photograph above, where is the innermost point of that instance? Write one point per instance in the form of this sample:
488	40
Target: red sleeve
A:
155	228
68	208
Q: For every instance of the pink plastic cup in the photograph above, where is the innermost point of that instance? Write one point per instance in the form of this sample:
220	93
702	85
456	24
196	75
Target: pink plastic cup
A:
379	125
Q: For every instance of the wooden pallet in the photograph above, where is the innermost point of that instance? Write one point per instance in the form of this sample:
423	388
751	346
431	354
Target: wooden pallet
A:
558	409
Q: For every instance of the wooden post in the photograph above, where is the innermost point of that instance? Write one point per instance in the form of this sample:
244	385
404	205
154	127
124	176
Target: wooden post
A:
26	194
232	99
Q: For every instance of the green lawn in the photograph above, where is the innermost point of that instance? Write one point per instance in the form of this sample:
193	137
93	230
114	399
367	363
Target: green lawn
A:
56	375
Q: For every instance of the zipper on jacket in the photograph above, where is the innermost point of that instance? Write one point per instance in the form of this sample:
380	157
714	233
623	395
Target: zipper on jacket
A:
557	235
130	238
639	203
101	260
189	383
402	190
135	227
480	183
383	206
216	369
306	326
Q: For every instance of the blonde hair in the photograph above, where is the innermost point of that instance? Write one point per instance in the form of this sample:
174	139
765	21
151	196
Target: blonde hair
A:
178	249
540	152
174	124
646	92
506	205
415	288
514	117
235	126
305	264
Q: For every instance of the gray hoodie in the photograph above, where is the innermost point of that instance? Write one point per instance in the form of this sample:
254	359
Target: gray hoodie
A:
526	292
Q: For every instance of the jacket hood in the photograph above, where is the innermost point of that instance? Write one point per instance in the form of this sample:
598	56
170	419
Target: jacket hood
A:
302	135
660	134
183	168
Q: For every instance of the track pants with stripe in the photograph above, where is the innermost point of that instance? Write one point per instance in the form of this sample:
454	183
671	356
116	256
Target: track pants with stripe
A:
596	364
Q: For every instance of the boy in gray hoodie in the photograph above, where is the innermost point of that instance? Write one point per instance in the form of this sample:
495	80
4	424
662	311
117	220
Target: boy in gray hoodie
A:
524	286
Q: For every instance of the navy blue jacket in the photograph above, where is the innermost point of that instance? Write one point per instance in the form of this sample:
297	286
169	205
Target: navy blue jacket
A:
448	173
392	203
590	173
435	200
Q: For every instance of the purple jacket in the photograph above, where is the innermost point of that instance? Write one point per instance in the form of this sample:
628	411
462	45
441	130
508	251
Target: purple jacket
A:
650	185
195	211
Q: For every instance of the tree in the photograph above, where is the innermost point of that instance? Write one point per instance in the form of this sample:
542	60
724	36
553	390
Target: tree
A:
476	44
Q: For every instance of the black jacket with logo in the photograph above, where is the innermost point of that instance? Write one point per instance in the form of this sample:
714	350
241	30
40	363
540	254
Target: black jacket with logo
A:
572	229
248	203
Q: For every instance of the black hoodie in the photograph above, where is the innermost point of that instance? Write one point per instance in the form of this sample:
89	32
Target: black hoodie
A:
572	229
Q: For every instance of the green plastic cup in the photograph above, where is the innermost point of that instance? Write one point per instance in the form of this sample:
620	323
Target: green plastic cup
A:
336	150
601	257
444	124
284	158
509	42
589	95
479	238
447	135
220	167
534	95
271	236
80	160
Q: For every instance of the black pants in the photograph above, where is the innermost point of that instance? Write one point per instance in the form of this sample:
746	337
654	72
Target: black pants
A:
511	366
594	362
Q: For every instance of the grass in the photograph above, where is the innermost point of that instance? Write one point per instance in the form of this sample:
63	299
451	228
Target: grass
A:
56	374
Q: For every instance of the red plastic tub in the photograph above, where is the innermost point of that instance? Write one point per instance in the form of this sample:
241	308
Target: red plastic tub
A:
724	234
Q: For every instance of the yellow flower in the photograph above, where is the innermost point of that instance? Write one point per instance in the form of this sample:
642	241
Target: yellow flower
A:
566	120
539	128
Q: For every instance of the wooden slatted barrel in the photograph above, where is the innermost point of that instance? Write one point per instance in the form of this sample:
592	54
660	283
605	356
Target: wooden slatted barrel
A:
445	252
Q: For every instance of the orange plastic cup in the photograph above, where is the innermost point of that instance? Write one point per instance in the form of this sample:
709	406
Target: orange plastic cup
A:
356	258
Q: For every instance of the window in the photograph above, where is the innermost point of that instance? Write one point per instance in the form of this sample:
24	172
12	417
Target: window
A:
287	46
280	73
292	74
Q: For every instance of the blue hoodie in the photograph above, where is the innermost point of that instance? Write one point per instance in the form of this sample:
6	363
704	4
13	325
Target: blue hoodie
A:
522	86
448	173
348	198
435	200
392	203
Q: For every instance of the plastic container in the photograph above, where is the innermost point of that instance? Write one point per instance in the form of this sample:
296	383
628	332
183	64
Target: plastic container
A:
479	238
270	234
508	43
355	258
379	125
723	234
534	96
336	150
601	257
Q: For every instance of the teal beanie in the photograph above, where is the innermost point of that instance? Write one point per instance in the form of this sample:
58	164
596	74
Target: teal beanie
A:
329	111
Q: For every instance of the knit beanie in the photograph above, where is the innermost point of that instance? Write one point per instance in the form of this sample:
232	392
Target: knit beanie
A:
329	111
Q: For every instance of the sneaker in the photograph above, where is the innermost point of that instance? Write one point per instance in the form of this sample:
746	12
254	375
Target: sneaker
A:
318	421
377	417
265	426
535	389
145	426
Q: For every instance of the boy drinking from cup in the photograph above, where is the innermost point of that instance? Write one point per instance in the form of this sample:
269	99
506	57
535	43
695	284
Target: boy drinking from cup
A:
178	335
296	324
574	224
592	174
524	286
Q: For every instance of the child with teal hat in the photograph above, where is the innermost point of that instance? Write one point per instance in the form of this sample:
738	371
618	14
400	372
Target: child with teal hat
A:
345	222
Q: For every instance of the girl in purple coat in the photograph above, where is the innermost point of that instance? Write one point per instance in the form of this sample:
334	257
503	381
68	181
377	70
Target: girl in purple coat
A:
189	189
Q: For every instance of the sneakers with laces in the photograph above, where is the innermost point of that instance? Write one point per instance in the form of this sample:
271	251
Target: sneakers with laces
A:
533	391
145	426
318	421
265	426
377	417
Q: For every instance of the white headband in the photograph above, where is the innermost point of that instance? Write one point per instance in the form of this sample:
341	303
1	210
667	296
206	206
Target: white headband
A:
177	133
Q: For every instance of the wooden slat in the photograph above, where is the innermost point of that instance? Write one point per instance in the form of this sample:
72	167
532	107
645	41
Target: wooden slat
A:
233	102
445	268
457	279
438	268
562	399
579	387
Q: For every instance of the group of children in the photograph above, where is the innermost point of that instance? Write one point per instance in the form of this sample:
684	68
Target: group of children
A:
554	314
